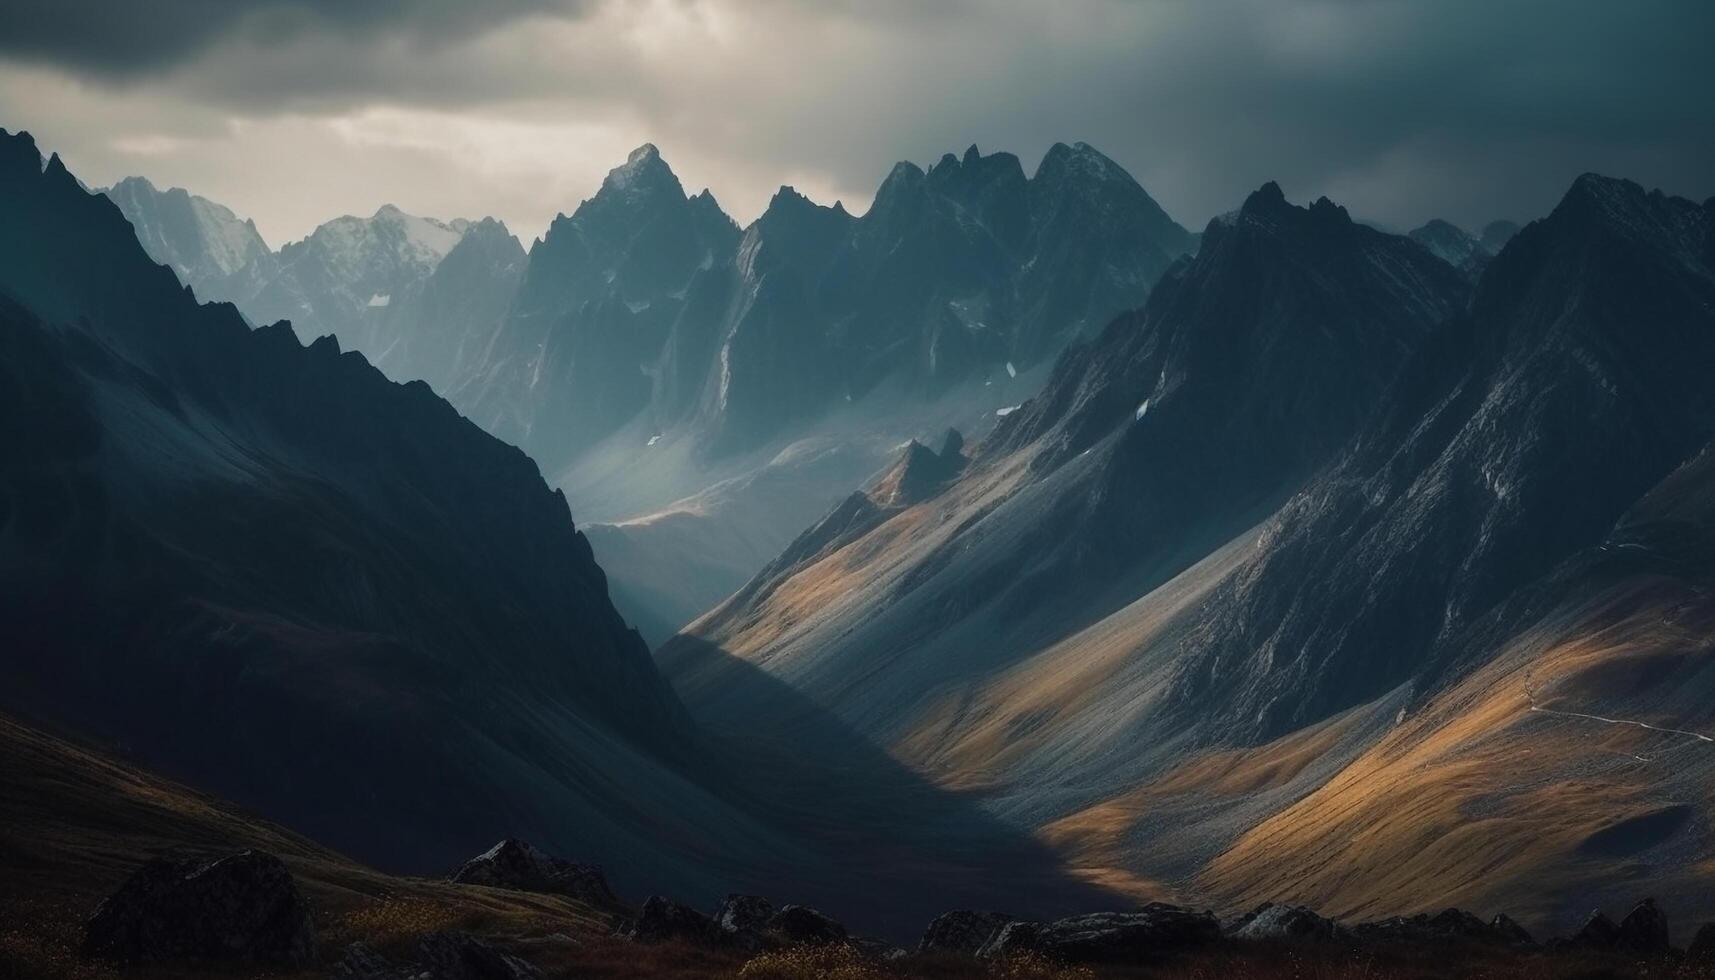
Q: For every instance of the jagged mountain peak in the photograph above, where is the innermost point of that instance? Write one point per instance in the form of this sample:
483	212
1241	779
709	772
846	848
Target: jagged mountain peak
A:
488	236
905	178
18	151
487	226
1083	161
643	172
1325	208
976	170
1267	208
1624	208
918	474
788	203
135	182
787	198
1267	197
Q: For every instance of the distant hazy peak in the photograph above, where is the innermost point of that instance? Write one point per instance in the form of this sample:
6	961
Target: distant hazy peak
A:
1496	234
202	241
490	234
788	201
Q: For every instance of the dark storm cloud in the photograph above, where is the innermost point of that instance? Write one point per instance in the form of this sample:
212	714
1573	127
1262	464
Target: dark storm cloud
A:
1401	109
124	37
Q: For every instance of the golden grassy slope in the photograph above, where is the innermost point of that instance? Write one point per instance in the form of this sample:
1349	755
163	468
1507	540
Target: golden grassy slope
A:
1487	800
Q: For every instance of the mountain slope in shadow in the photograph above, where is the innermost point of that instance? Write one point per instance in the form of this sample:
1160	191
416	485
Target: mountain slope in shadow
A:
265	570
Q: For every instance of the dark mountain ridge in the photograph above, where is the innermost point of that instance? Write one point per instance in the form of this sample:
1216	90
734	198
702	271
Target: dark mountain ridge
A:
269	570
1575	383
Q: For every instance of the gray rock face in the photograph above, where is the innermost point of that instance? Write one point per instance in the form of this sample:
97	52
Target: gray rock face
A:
743	920
517	865
796	924
1453	497
961	931
1291	922
661	919
242	908
1109	937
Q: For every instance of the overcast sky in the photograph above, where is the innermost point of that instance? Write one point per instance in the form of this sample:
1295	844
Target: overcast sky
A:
295	111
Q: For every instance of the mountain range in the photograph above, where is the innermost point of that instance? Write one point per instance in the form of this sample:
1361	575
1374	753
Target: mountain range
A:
1289	561
262	568
1327	576
689	383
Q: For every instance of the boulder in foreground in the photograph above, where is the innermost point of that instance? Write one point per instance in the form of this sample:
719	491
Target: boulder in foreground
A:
1294	923
742	921
961	931
240	908
1144	936
661	920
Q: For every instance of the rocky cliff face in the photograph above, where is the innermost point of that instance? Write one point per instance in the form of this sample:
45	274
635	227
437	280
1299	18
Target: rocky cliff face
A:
599	295
1573	385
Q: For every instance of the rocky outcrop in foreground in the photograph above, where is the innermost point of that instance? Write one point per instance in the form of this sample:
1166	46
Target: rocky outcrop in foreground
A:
518	866
1152	934
746	922
1143	936
242	908
961	931
246	909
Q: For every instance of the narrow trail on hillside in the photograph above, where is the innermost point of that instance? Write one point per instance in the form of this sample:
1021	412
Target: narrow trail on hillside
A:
1530	695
